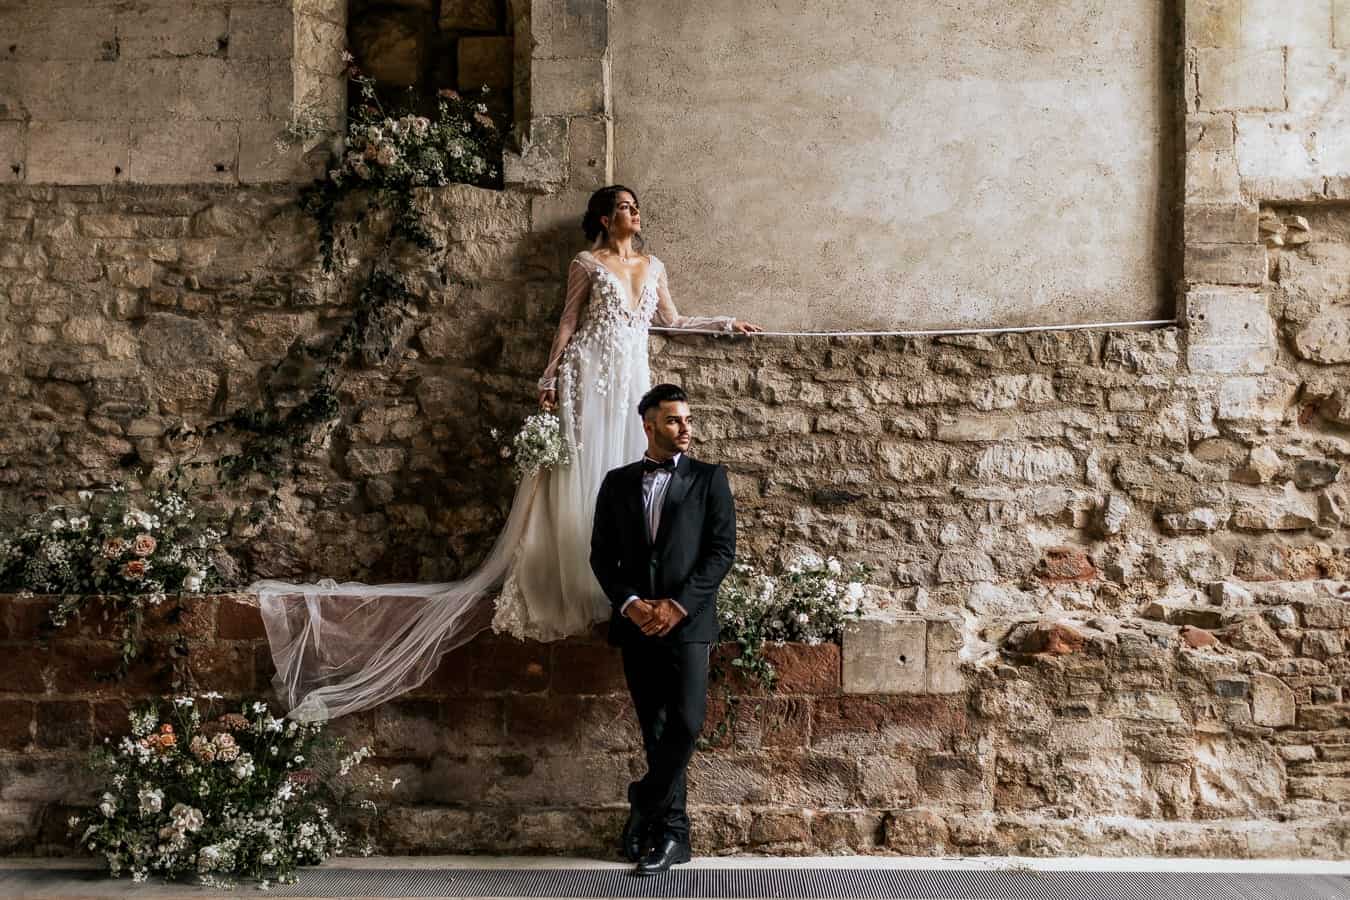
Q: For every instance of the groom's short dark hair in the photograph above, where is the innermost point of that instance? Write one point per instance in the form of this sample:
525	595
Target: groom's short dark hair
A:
662	393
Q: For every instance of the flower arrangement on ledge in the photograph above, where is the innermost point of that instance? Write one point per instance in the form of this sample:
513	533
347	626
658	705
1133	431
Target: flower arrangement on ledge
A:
392	154
132	553
810	602
219	797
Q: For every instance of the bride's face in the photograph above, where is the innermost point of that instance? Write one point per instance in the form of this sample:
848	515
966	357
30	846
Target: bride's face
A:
627	220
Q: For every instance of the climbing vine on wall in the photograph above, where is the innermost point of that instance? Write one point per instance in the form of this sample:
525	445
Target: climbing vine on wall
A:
372	189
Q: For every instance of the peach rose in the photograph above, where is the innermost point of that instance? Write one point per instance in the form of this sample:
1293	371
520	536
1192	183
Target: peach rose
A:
113	548
144	545
134	569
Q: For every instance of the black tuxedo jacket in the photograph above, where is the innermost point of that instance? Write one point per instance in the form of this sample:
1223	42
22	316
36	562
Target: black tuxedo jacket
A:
693	551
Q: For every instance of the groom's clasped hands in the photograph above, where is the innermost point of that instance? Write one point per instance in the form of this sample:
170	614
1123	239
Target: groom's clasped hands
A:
656	618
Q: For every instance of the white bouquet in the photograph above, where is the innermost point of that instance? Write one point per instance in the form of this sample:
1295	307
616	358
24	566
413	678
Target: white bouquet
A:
810	602
537	446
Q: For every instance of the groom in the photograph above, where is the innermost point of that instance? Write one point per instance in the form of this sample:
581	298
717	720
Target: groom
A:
663	539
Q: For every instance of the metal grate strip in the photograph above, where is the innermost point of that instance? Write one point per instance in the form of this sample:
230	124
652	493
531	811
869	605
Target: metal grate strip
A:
768	884
815	884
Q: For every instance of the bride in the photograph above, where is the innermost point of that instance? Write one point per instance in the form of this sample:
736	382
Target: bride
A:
340	648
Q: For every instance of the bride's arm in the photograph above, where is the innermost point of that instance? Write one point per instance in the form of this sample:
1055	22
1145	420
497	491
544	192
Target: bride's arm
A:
578	289
667	316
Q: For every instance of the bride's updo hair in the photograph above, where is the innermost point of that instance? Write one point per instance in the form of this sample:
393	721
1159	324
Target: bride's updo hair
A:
603	203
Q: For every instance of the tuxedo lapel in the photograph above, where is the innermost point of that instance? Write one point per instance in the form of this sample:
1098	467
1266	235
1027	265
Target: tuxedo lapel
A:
675	494
634	510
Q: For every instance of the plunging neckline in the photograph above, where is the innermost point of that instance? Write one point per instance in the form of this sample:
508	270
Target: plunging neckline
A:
629	306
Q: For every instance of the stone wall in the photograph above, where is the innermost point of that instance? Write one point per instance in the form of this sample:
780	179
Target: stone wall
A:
166	92
901	167
1110	738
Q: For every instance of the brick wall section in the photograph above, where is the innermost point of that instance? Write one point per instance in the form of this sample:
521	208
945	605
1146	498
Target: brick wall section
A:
103	92
1132	743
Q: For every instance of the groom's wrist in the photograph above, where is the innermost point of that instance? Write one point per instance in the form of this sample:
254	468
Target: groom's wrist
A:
623	610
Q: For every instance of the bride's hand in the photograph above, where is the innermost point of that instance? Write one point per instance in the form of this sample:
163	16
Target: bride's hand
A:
548	400
742	327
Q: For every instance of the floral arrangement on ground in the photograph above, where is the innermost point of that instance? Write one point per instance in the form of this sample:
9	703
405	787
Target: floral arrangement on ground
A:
244	794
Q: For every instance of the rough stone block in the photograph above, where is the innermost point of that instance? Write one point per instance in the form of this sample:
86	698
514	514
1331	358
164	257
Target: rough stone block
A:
74	32
542	161
1213	23
885	656
485	61
217	89
569	87
1277	23
178	152
78	152
590	152
1275	146
1225	223
569	28
945	639
1228	331
171	31
1272	701
13	156
319	45
1250	399
468	15
1240	264
261	161
1239	79
261	32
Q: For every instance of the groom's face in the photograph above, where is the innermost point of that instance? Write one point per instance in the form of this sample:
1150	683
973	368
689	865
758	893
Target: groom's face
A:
670	429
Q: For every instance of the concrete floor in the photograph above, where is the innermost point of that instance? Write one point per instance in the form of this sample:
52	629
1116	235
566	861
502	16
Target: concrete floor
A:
49	879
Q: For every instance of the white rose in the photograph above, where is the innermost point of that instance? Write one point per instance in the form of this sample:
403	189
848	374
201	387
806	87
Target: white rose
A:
833	565
152	801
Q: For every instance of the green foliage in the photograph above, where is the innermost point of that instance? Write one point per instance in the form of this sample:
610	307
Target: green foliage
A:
810	602
388	158
129	553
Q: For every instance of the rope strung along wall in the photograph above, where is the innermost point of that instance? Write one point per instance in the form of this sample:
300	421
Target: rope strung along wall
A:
937	332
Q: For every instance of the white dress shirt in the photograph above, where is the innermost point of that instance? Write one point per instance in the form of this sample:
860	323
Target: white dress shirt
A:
654	486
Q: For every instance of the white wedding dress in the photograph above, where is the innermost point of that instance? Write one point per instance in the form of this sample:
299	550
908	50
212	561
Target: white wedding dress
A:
340	648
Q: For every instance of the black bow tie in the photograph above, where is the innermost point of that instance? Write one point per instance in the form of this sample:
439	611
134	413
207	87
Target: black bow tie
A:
651	465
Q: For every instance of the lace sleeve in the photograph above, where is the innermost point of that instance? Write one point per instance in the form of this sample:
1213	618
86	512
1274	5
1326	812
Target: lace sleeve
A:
667	316
578	289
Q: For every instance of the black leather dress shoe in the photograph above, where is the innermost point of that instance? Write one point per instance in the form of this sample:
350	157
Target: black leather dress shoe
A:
669	852
634	830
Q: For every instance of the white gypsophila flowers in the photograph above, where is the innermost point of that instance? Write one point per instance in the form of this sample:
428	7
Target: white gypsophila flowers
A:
539	445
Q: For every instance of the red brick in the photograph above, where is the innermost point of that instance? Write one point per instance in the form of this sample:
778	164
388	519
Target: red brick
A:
1197	637
110	719
1065	564
228	668
803	669
936	720
64	724
84	666
22	619
21	670
724	675
568	724
192	615
453	676
785	722
587	669
237	619
16	724
505	664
